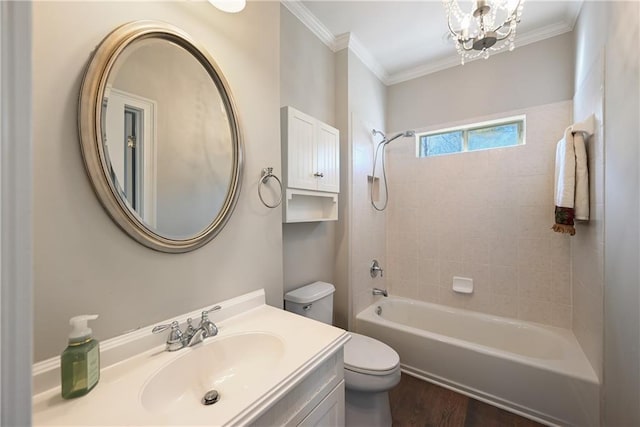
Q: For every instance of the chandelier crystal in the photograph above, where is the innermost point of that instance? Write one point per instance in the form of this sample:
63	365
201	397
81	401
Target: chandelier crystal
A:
489	26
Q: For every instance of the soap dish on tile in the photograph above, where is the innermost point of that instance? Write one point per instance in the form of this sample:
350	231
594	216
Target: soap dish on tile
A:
463	285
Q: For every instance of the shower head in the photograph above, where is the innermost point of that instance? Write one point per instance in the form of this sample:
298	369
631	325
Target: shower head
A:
406	134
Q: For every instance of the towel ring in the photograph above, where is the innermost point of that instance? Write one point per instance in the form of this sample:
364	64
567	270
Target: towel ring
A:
267	173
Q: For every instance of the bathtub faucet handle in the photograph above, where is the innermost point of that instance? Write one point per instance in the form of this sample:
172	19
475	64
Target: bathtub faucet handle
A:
382	292
375	268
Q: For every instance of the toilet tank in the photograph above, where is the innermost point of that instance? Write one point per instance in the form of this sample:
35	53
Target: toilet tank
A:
314	301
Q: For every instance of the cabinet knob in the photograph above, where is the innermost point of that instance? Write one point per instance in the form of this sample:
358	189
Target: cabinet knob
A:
319	174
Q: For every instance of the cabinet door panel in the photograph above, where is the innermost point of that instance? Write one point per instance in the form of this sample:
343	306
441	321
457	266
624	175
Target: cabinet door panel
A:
301	151
328	155
330	412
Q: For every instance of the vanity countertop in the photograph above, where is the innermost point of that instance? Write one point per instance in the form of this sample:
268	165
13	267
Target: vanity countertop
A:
118	397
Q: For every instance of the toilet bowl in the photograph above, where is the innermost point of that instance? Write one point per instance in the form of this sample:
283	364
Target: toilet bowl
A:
371	368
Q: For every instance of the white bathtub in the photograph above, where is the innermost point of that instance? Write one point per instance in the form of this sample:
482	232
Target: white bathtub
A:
536	371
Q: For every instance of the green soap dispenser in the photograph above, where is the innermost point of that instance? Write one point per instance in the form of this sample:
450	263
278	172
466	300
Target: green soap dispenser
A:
80	361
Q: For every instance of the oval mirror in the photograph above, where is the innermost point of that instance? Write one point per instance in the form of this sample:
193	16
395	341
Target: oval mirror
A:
160	136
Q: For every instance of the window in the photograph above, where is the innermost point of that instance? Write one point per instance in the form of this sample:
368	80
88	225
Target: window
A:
479	136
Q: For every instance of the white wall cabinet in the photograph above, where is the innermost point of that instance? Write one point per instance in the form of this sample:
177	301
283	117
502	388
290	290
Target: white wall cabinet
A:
327	158
311	164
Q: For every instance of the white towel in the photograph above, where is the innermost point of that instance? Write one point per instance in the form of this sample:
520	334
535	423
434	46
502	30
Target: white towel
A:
571	182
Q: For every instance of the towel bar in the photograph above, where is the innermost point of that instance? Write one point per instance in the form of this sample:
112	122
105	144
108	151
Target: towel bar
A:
267	173
587	126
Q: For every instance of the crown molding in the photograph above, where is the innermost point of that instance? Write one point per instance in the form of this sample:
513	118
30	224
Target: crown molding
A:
348	40
423	70
367	59
543	33
335	43
341	42
574	11
305	16
453	60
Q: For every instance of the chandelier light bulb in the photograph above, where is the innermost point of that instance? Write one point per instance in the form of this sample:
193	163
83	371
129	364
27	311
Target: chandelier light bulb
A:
465	26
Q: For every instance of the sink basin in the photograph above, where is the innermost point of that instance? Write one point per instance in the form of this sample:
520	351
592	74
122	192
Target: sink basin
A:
229	365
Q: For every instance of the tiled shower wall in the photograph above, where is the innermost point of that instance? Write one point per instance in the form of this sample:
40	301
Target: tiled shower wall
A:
485	215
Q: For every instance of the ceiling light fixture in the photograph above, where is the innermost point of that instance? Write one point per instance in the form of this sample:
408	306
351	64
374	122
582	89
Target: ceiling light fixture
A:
230	6
490	26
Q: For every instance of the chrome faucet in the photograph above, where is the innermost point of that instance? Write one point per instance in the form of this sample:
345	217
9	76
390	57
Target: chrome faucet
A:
197	337
175	339
207	325
191	336
382	292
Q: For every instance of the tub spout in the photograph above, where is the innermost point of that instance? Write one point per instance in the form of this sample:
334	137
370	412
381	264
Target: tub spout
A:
382	292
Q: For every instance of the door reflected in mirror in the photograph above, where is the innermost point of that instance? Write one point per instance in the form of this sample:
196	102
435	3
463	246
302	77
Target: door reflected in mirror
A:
129	137
160	136
167	138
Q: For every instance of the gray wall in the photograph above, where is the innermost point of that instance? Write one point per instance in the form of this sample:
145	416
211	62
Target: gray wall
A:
334	88
360	103
342	301
621	390
587	246
307	79
607	33
535	74
307	84
367	101
82	262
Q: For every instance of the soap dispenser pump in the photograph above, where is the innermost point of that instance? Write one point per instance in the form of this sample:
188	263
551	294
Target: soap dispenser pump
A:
80	361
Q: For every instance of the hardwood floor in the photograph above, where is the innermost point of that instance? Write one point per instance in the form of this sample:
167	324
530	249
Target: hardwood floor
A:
418	403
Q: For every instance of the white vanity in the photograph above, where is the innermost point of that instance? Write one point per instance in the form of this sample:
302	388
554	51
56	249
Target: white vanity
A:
270	367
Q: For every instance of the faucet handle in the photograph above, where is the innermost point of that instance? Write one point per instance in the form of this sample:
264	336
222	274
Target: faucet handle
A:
173	325
375	269
212	309
174	341
210	328
205	314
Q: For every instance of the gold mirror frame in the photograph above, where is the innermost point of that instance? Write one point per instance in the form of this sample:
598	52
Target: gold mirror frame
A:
89	127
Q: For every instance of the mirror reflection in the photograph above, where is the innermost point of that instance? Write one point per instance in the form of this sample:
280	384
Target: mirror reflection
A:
167	138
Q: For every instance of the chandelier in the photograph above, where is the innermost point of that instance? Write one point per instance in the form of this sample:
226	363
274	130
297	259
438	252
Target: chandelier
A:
490	26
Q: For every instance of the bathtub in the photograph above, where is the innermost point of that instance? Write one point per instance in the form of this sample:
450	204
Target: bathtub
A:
535	371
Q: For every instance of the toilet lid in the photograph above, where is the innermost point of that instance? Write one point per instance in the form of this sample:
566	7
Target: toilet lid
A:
367	355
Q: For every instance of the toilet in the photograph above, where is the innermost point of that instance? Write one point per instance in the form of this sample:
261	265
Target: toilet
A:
371	368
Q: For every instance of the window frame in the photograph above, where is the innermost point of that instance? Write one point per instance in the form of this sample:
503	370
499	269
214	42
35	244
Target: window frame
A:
519	120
